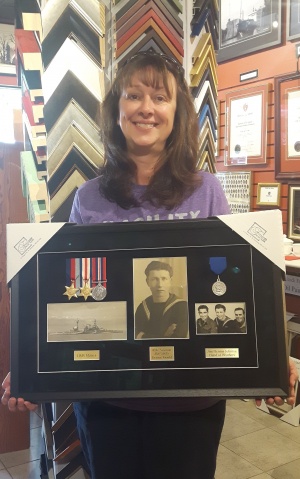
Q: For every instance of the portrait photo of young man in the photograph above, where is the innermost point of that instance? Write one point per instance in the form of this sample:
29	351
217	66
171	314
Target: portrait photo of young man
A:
163	313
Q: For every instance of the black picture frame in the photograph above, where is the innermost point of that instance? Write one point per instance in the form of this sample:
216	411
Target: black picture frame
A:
257	30
205	365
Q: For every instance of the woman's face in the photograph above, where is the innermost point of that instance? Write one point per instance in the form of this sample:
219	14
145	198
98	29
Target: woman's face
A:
146	115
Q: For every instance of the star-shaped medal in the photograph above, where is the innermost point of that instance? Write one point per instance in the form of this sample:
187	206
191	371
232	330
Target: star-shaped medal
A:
85	291
71	291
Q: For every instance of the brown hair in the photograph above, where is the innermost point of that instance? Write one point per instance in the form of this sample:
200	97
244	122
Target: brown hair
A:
175	179
157	266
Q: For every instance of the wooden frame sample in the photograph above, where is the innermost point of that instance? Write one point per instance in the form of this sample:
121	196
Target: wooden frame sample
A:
268	194
287	120
246	126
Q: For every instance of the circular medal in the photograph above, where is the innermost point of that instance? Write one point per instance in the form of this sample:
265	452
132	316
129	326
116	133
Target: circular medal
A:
99	292
219	287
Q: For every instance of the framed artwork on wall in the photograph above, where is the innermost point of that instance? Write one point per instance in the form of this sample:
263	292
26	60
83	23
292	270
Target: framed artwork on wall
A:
292	19
287	127
248	28
7	50
237	187
246	126
294	212
268	194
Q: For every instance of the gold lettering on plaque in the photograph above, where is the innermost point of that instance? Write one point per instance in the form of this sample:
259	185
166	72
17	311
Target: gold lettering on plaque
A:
87	355
221	353
161	353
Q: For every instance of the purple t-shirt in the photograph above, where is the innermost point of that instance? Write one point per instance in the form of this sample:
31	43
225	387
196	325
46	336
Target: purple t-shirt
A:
208	199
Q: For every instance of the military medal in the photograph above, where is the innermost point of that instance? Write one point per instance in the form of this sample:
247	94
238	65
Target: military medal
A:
218	265
219	288
99	292
85	290
72	290
85	275
90	275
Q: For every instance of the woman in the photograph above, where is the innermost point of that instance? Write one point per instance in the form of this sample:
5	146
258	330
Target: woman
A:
150	136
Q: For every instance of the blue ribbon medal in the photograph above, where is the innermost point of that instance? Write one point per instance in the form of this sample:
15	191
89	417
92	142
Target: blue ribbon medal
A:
218	264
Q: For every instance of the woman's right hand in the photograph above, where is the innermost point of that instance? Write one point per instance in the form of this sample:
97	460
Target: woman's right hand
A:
14	404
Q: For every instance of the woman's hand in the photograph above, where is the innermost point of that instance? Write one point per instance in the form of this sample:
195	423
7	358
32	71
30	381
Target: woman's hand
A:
292	397
14	404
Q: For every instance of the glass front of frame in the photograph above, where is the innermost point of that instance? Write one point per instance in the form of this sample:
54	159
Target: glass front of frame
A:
125	311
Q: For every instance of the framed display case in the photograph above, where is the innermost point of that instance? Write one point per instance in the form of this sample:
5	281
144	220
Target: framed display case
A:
268	194
88	320
237	186
254	27
287	119
294	212
246	126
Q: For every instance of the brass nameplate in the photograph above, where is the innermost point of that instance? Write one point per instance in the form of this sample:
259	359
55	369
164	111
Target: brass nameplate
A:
86	355
161	353
221	353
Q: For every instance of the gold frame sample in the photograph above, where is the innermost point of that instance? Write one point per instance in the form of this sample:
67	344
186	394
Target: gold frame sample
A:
268	194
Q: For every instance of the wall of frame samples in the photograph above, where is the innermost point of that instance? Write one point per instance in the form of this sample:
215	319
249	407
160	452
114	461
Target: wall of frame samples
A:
243	74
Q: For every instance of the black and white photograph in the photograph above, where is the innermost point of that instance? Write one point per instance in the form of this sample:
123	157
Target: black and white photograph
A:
7	50
247	26
220	318
86	322
160	298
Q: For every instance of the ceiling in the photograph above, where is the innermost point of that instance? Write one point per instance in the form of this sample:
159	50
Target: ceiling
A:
7	11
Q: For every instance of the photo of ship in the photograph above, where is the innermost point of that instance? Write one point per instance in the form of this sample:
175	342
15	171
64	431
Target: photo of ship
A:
86	321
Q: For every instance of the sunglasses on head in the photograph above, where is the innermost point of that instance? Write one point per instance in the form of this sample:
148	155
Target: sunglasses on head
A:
152	54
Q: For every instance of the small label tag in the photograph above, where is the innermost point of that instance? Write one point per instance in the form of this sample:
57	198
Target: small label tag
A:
161	353
221	353
86	355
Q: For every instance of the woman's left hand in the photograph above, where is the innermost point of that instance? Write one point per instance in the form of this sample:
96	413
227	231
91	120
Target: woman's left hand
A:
292	397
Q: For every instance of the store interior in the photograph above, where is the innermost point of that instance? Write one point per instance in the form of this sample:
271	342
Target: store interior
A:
242	64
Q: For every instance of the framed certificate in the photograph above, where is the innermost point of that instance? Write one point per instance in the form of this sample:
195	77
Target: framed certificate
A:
118	310
287	127
268	194
246	126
